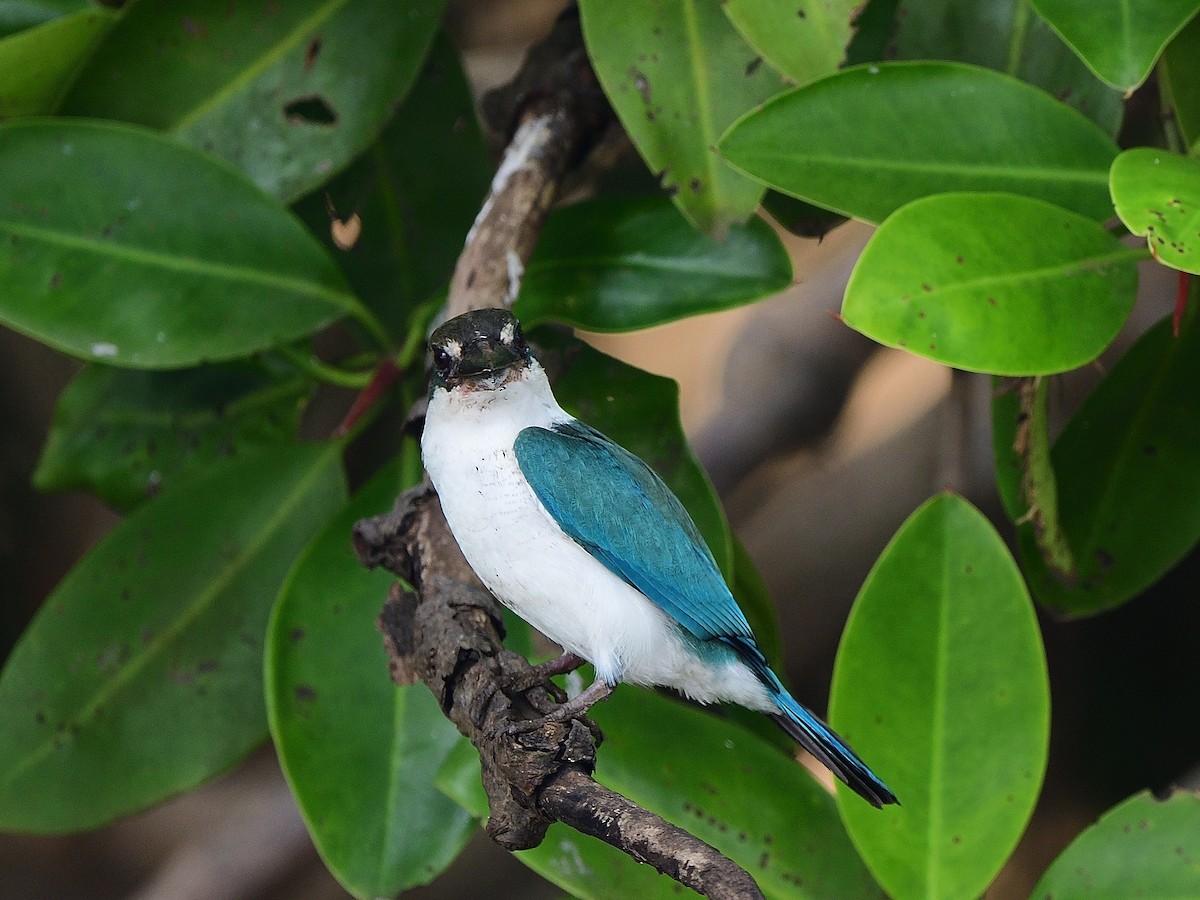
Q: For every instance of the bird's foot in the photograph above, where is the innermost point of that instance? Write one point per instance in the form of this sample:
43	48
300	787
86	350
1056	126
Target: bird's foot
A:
540	675
571	709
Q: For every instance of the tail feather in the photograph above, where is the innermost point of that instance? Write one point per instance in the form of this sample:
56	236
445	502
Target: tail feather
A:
819	739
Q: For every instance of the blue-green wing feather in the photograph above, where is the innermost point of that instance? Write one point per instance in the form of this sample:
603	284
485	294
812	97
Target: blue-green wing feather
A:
614	506
611	503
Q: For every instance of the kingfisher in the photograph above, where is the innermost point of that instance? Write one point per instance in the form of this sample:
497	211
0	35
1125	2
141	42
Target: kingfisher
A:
582	540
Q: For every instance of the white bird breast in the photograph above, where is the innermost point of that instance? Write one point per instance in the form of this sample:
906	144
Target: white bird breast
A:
519	552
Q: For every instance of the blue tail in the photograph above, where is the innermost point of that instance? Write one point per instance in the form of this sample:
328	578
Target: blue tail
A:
818	739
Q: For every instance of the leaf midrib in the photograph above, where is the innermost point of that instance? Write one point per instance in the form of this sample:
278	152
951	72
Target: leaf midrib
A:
151	258
934	167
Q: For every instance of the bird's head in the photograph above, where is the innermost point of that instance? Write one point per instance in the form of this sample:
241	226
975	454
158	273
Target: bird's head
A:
480	349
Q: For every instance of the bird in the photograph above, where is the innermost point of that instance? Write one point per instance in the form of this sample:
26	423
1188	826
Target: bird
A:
582	540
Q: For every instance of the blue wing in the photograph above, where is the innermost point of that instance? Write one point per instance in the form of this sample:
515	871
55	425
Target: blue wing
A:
614	506
617	509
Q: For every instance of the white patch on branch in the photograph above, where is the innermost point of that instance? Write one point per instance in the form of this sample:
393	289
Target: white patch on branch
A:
517	156
516	271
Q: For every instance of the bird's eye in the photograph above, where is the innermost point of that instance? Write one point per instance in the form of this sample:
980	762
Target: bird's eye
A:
441	359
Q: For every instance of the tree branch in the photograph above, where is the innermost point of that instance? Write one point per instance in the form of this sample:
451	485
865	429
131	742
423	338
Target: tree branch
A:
449	633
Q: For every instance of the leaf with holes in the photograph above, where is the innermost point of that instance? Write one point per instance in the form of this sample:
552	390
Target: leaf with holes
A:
1158	194
941	684
287	92
141	676
169	260
993	283
359	752
677	74
124	434
1143	847
1120	40
835	142
804	40
620	263
38	65
411	201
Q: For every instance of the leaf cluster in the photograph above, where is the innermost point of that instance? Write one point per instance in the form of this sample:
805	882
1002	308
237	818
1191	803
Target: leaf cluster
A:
224	210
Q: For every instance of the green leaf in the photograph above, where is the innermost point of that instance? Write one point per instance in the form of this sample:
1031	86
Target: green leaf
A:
804	40
1118	39
941	685
414	200
624	263
993	283
287	92
124	435
168	260
1158	194
1180	81
836	142
1128	467
359	752
677	74
141	676
1018	42
38	65
1142	847
713	779
640	412
874	27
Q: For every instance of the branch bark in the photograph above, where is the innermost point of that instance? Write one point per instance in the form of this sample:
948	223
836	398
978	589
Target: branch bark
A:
449	633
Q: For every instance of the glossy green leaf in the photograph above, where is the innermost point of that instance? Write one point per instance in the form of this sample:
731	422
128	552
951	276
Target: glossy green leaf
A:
1128	467
712	778
1180	81
124	435
1010	37
837	142
640	412
1142	847
287	92
141	676
941	684
1118	39
1158	194
993	283
360	753
168	259
413	199
38	65
677	74
804	40
623	263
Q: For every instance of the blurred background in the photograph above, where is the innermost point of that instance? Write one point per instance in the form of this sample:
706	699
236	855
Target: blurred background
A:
820	444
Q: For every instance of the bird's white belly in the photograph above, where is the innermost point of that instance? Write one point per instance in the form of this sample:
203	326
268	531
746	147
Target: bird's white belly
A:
519	552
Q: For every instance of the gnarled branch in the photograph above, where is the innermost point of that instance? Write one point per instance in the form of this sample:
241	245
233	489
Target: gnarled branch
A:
449	633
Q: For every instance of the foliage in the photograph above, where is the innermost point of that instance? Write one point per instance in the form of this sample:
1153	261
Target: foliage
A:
195	191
